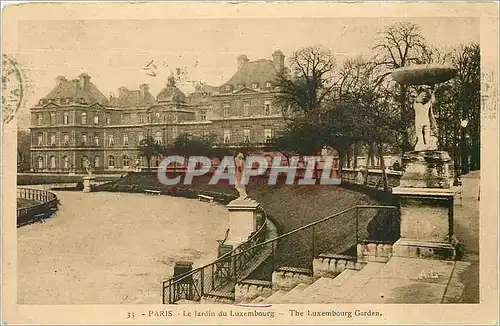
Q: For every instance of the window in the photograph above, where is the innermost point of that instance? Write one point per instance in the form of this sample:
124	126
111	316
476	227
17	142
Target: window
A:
52	162
228	88
156	161
227	136
226	110
111	139
246	135
66	139
84	159
157	115
84	139
140	138
158	138
65	118
246	108
96	119
39	118
40	139
52	118
52	139
126	161
255	85
66	162
203	115
111	161
96	139
108	120
268	134
267	107
268	85
96	161
84	118
125	139
241	85
40	162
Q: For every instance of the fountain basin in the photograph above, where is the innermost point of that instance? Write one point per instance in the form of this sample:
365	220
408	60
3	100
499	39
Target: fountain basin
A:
423	74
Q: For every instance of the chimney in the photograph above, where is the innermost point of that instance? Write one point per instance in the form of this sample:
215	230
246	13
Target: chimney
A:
278	60
242	59
84	80
144	89
60	79
122	92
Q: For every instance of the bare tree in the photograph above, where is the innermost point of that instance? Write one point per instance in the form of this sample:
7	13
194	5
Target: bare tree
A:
310	82
400	45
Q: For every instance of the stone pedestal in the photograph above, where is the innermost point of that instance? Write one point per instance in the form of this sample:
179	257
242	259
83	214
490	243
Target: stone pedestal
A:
88	182
427	169
426	223
242	220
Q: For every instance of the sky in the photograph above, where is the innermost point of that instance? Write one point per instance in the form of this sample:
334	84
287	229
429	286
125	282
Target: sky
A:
115	52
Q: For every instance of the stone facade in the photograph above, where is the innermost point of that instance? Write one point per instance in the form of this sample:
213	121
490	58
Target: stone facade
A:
75	121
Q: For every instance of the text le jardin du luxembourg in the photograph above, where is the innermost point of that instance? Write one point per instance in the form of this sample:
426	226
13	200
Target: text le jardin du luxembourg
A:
265	311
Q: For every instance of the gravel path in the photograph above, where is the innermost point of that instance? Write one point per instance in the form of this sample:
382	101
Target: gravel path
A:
109	248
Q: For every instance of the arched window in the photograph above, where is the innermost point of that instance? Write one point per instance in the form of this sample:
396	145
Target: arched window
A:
52	162
156	161
158	138
40	162
84	159
111	161
96	162
66	162
126	161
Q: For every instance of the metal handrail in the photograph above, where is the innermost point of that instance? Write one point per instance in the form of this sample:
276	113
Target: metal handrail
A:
237	252
46	202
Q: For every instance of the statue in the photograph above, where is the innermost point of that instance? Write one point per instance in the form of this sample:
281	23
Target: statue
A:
425	122
88	167
239	167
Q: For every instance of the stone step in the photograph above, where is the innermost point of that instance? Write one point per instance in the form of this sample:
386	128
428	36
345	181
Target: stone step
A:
275	297
259	299
292	295
185	301
318	286
371	269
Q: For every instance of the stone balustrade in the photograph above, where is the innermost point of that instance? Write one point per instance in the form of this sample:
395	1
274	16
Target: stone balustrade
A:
286	278
247	290
330	265
374	252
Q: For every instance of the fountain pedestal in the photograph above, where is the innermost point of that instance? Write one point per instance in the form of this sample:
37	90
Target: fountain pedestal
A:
426	223
242	220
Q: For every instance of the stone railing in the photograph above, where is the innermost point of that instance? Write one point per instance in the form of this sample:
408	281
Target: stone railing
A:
374	179
43	204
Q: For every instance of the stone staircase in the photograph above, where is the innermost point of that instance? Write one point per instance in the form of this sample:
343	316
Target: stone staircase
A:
399	280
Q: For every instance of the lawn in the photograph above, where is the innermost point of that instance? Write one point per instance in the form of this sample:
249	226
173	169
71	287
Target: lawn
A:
293	206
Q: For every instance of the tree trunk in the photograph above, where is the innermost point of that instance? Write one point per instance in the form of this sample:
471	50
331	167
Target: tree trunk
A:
368	159
356	152
382	166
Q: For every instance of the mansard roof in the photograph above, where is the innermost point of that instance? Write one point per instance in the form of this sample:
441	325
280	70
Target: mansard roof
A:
259	71
132	98
76	90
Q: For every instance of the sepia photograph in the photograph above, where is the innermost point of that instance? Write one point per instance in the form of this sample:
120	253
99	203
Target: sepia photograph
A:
230	168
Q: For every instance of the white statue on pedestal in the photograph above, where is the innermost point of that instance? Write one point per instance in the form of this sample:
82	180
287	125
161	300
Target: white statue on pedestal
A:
239	167
88	167
425	122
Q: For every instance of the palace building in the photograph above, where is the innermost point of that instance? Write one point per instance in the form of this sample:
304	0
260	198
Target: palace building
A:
75	122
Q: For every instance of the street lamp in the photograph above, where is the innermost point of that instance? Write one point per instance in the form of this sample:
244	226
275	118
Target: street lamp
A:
463	150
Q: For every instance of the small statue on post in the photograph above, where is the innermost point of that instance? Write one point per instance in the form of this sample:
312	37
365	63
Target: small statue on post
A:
239	168
88	167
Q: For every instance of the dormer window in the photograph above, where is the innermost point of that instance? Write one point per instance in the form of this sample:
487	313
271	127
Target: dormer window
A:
228	88
268	85
241	86
267	107
255	85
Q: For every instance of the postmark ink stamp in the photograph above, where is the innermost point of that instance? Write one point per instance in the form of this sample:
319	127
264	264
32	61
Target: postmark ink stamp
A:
12	88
